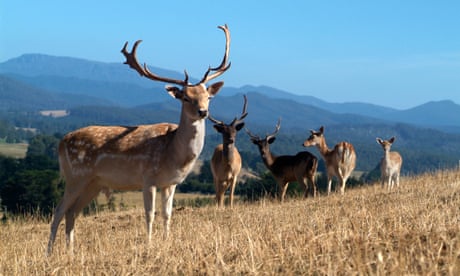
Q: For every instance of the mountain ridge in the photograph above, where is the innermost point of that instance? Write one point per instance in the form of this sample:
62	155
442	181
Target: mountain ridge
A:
114	84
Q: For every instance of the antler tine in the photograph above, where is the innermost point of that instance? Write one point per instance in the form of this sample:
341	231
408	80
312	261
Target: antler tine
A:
253	137
277	128
215	121
244	113
131	60
227	48
223	65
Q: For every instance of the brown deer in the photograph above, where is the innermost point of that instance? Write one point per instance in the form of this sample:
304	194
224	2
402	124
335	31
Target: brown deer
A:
390	165
286	168
144	157
340	161
226	160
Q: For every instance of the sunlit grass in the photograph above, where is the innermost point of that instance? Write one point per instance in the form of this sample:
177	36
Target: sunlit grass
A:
413	230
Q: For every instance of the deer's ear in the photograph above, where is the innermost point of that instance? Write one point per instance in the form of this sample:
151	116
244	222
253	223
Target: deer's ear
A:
218	128
379	140
239	126
175	92
271	139
214	88
321	129
392	139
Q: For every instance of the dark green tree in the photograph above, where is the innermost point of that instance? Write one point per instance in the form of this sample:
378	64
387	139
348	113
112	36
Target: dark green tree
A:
31	191
44	145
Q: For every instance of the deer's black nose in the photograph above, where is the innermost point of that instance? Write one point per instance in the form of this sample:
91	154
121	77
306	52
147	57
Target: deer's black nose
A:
203	113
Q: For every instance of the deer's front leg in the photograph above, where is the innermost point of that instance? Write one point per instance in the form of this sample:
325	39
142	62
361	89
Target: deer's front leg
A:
167	197
329	185
149	193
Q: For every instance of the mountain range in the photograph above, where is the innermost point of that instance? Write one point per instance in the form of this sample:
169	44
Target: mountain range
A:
111	93
52	82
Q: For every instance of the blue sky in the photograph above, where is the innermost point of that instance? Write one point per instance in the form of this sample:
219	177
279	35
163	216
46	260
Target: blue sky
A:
393	53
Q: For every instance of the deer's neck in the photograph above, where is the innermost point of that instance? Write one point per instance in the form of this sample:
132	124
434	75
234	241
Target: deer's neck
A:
387	156
324	149
268	159
189	139
228	151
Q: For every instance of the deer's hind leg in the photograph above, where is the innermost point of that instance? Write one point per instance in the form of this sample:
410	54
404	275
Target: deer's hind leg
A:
86	195
283	185
302	180
74	189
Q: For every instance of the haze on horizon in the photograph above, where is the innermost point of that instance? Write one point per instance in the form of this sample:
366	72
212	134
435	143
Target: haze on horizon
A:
394	53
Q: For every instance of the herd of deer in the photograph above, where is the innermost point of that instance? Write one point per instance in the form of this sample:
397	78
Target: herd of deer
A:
147	157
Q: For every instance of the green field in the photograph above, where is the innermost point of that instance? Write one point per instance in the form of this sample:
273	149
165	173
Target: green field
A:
13	150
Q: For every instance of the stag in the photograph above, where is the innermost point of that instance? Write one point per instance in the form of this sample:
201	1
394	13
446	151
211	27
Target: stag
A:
340	161
226	160
390	165
144	157
286	168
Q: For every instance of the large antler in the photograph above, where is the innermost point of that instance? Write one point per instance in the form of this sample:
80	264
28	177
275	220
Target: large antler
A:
244	113
131	60
223	65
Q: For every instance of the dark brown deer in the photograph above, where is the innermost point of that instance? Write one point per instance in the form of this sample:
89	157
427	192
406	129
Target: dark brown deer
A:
286	168
143	157
340	161
226	160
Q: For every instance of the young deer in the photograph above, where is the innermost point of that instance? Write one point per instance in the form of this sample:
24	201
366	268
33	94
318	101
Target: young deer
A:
286	168
147	157
390	165
340	161
226	160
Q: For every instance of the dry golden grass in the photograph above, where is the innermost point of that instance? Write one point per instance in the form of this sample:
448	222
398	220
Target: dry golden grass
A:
134	199
415	230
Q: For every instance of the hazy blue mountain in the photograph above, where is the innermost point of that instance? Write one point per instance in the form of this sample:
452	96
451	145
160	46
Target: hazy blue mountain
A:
117	84
351	107
16	95
265	110
45	65
121	94
442	113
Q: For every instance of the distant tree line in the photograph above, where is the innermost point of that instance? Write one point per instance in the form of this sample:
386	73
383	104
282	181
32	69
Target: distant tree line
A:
11	134
31	184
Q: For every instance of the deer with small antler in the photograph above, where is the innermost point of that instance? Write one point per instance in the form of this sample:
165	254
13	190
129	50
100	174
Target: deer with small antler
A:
147	157
340	161
286	168
390	165
226	160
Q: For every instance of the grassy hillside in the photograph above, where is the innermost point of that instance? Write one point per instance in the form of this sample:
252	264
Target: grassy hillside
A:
414	230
